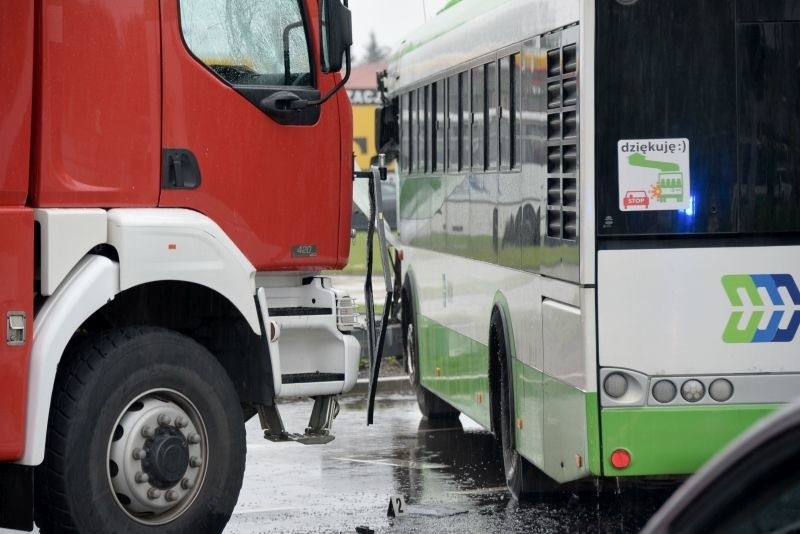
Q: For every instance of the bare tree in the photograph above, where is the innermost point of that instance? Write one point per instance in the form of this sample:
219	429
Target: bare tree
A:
374	52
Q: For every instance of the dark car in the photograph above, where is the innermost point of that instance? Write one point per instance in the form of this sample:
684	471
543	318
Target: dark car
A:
752	486
389	196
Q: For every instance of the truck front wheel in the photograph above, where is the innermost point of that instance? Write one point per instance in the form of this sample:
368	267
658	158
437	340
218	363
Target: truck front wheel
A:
145	431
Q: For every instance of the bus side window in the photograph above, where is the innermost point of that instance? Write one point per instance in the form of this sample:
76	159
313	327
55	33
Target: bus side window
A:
419	131
514	127
506	111
428	159
466	122
405	129
414	132
433	135
439	103
478	87
453	123
491	127
529	101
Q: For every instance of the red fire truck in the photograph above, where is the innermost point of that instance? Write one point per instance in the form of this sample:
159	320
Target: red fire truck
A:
174	176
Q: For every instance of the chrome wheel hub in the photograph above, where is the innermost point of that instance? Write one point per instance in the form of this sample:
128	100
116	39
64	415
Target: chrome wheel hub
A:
157	456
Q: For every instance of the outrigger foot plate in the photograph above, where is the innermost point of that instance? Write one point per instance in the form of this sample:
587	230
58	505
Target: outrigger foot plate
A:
326	408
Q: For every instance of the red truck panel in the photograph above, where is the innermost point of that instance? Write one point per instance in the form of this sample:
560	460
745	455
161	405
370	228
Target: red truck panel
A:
16	69
16	221
270	187
16	295
99	116
346	197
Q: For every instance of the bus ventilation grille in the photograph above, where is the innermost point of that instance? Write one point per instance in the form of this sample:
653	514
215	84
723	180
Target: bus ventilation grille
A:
562	142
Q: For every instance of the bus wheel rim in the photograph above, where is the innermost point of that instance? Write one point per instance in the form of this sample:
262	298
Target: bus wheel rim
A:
410	354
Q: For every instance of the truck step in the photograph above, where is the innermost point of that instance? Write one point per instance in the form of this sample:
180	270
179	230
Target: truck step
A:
299	311
308	378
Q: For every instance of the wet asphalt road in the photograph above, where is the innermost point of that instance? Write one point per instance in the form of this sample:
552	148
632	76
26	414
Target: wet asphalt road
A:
450	476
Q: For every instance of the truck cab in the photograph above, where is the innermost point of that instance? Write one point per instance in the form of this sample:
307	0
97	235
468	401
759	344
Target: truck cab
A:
174	177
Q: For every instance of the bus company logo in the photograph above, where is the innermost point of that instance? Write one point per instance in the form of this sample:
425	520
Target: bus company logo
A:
754	286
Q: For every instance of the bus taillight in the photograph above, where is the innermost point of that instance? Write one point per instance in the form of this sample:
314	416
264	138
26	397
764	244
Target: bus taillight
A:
620	459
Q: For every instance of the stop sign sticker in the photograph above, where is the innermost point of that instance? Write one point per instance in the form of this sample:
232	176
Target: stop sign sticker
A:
654	174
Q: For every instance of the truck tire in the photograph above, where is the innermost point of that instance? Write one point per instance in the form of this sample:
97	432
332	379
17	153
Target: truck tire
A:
145	432
430	405
524	480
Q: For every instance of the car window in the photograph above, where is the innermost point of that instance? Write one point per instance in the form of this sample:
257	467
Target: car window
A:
759	494
249	42
772	510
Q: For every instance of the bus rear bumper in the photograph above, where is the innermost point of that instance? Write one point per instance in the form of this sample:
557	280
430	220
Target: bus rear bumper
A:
672	440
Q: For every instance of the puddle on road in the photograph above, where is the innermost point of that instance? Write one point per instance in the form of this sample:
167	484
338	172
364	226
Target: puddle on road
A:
403	464
440	467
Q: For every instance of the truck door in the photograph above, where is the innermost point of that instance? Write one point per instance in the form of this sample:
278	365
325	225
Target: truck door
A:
270	179
16	223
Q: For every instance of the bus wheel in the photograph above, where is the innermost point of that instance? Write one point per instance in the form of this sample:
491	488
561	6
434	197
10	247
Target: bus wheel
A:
523	479
430	405
145	432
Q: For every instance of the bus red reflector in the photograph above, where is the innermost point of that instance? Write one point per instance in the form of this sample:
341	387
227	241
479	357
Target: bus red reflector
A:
620	458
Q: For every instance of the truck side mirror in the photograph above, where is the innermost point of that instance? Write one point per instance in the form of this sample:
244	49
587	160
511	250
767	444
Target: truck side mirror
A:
336	33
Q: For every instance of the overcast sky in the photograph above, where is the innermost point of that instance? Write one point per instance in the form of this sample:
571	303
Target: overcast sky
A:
391	20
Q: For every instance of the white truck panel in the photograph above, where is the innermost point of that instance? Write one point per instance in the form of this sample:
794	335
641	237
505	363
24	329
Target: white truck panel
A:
178	244
89	286
67	235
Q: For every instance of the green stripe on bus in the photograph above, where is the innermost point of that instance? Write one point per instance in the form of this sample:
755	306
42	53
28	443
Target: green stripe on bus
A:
595	460
543	404
673	440
463	368
560	432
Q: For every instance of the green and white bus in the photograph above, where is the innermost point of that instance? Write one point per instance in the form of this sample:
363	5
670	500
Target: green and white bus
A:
599	215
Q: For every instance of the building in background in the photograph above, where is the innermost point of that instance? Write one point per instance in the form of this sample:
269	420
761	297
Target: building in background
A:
362	88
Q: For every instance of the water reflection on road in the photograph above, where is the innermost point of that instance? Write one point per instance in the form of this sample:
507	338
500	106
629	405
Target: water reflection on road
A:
450	475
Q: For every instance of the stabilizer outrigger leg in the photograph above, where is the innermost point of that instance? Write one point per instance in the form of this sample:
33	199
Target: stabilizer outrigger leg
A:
376	338
318	432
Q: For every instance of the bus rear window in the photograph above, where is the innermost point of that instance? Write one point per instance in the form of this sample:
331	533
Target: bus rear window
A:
730	89
769	130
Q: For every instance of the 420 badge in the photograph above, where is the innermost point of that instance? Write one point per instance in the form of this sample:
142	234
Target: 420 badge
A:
654	174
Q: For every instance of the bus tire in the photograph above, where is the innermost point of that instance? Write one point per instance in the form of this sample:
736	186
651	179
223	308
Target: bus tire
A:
430	405
524	480
144	433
